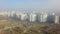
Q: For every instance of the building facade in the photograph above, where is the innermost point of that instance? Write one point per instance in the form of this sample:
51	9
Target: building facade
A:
43	17
56	19
23	16
33	17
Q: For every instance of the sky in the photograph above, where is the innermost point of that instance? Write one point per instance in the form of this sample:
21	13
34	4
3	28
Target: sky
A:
43	5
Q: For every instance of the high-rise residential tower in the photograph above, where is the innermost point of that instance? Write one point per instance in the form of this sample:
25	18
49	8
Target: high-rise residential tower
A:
43	17
56	19
33	17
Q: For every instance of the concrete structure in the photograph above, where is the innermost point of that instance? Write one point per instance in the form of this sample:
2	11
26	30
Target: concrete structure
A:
23	16
10	13
43	17
51	18
33	17
56	19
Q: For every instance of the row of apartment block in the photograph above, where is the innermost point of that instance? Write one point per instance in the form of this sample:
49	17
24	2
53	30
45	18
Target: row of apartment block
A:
33	17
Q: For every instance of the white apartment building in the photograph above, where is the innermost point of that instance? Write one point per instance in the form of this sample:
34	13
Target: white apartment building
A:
32	17
43	17
23	16
10	13
56	19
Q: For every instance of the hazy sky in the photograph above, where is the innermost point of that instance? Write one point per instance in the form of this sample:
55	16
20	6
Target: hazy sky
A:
30	4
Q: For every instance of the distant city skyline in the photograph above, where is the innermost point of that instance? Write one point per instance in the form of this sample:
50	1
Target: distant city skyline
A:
33	17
